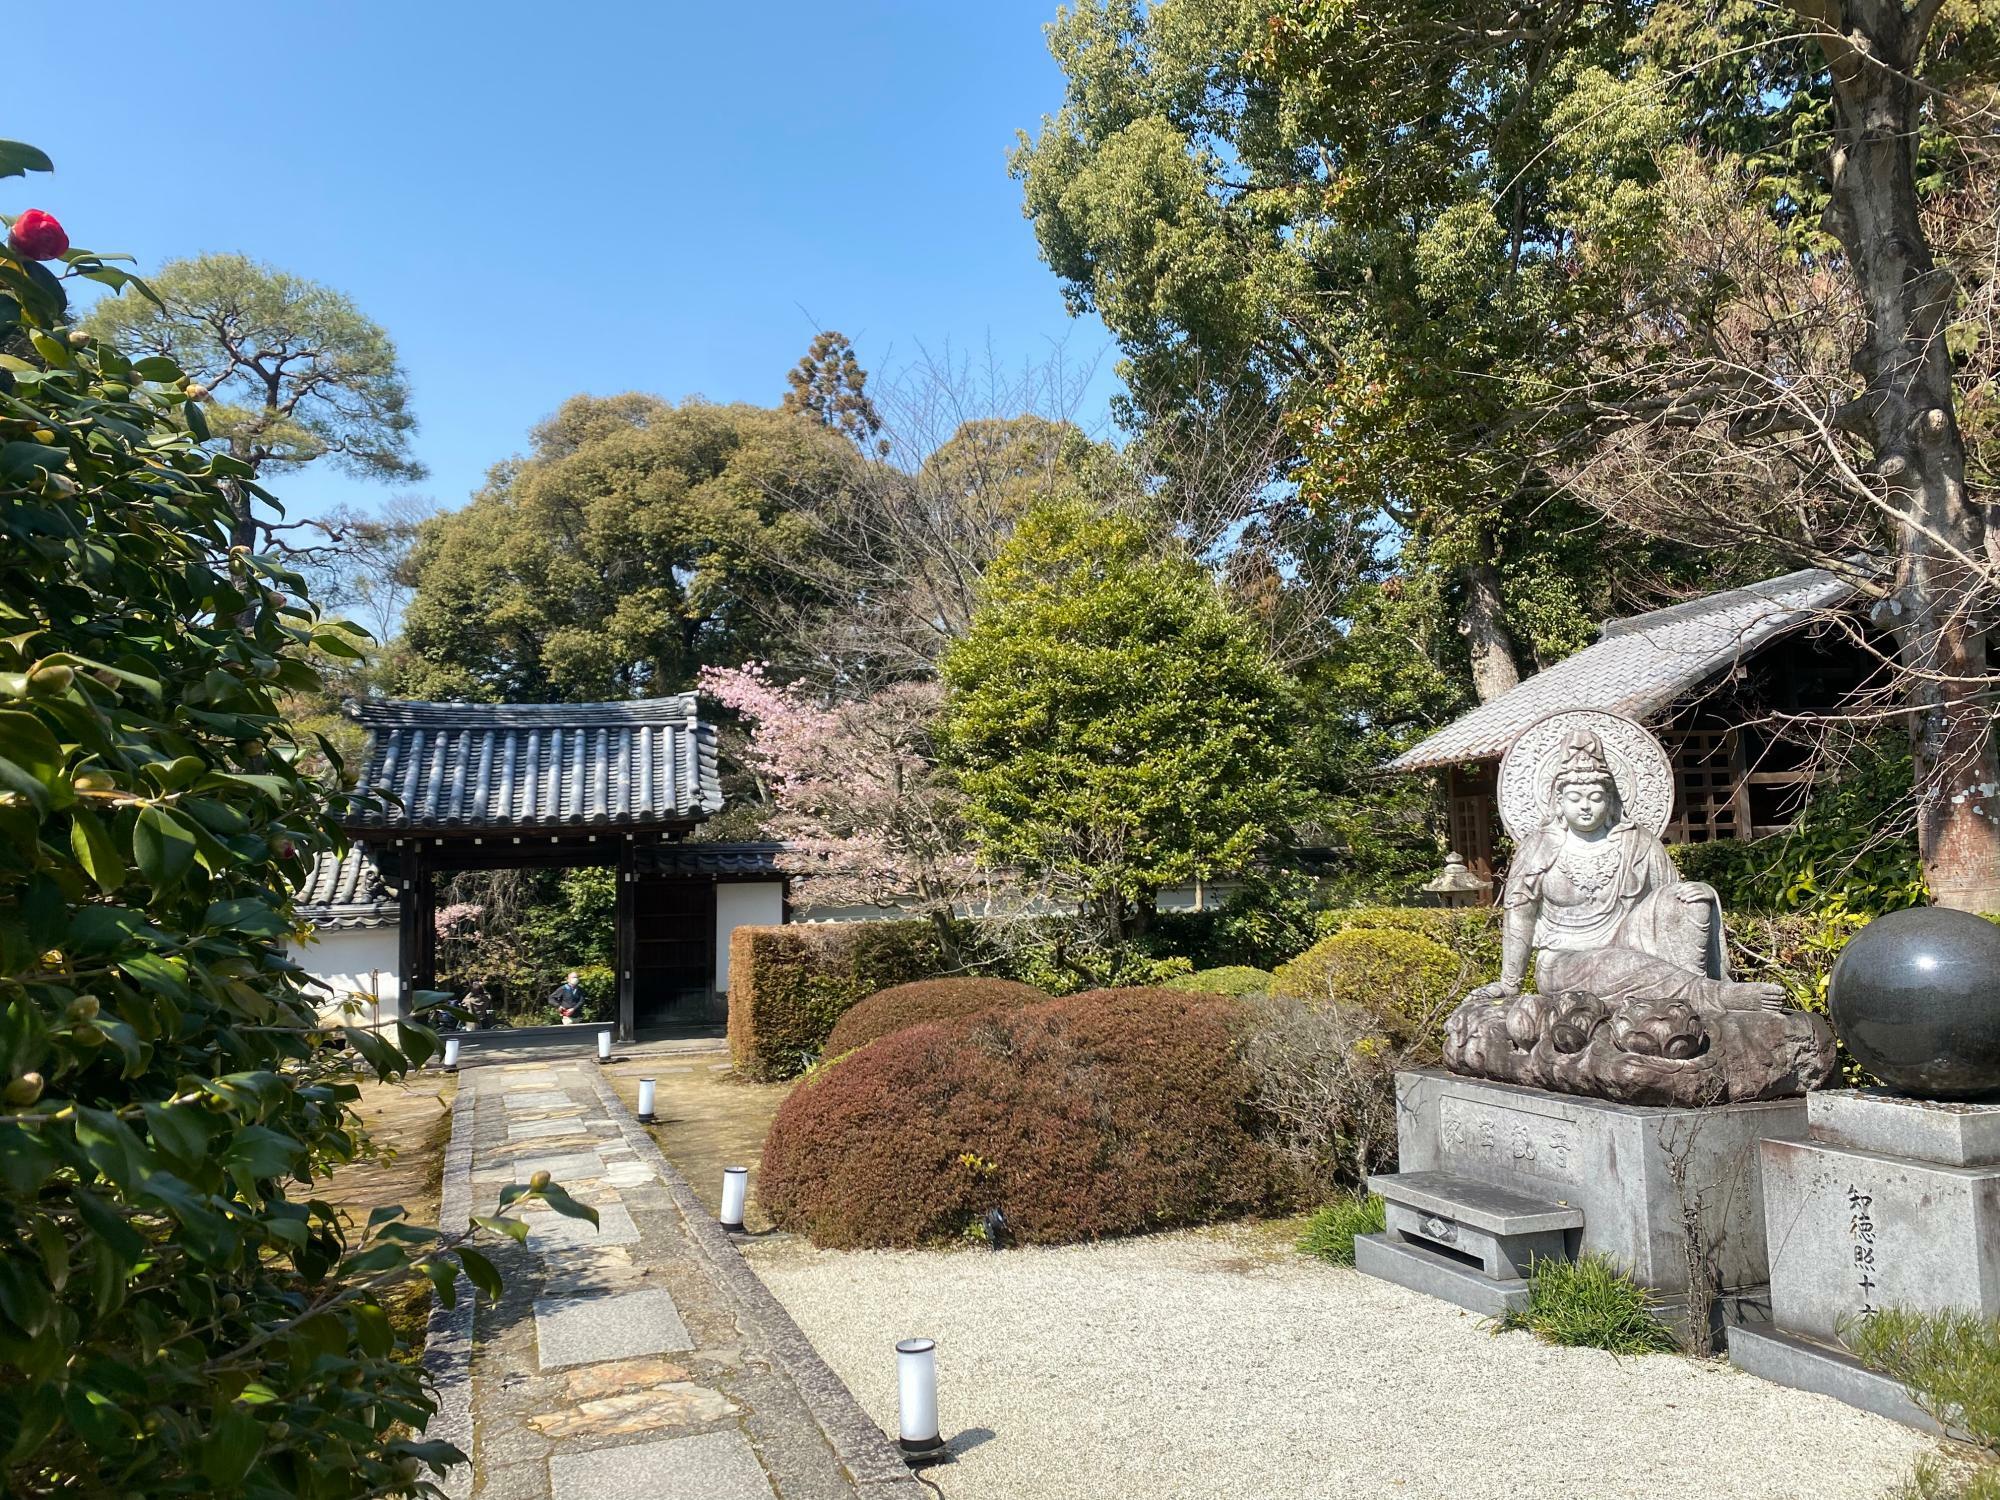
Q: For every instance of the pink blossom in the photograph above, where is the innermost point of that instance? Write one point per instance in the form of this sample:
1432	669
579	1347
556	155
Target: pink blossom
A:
867	818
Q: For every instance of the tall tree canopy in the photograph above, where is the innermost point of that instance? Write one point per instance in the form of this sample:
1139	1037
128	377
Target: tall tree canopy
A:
1114	723
1455	250
1340	222
829	385
295	371
636	542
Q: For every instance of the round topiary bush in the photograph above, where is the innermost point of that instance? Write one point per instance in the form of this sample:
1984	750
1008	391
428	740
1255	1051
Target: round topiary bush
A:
905	1005
1104	1113
1232	979
1403	980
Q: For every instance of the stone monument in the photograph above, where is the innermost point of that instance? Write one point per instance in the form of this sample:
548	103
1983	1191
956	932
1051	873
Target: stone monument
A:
1893	1198
1617	1108
1636	1002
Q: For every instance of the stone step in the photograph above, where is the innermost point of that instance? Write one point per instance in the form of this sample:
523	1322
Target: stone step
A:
1491	1231
1421	1269
1809	1365
1475	1204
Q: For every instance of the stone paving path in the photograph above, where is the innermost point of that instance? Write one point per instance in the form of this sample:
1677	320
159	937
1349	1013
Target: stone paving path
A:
640	1358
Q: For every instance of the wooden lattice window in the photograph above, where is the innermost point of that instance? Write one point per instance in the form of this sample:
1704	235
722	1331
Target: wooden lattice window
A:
1708	785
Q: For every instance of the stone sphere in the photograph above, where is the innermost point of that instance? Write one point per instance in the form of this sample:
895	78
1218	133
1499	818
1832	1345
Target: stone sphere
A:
1916	997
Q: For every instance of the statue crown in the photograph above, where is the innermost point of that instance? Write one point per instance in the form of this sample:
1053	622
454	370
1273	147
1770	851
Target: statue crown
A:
1582	760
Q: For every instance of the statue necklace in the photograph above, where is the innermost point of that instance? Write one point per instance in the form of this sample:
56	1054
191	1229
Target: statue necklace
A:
1591	868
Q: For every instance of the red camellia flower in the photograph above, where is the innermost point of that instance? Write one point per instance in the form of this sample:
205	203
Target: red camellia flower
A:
37	236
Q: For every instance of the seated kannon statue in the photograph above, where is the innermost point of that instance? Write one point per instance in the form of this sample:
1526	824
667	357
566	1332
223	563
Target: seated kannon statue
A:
1635	1000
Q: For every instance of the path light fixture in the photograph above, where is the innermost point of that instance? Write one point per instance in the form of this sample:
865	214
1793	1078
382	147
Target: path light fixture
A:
604	1046
916	1399
735	1182
451	1054
646	1116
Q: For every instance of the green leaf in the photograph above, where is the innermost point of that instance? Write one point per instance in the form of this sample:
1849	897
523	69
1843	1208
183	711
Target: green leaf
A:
261	1152
567	1206
247	915
180	1130
372	1330
232	1445
20	460
31	762
116	1235
514	1229
445	1279
96	850
18	158
163	846
481	1272
156	367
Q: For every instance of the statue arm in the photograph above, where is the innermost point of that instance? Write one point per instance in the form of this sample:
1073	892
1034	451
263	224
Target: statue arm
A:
1517	938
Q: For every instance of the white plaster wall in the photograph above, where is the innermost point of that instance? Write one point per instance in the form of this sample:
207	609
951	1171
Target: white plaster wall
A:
353	959
750	903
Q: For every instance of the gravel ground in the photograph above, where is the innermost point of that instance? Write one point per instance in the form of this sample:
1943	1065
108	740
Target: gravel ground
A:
1218	1363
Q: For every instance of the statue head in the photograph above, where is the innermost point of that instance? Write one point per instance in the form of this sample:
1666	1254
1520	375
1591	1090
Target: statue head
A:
1584	796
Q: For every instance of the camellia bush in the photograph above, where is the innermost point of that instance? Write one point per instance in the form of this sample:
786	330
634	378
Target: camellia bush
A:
179	1314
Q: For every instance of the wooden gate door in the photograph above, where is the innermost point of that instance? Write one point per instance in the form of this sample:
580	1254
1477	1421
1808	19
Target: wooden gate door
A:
673	951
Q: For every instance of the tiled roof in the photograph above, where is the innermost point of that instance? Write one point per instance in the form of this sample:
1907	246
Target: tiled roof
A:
710	859
538	765
1639	665
346	890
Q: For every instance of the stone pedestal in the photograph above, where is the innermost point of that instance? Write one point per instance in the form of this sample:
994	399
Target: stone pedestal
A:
1888	1202
1660	1190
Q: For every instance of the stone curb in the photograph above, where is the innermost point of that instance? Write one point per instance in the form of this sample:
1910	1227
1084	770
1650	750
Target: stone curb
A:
448	1337
871	1461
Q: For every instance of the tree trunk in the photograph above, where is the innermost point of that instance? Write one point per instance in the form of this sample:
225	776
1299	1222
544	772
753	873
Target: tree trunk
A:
1494	669
1873	48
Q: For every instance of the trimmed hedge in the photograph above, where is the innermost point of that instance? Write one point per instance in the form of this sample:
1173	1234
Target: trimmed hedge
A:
1232	979
789	985
1472	932
1104	1113
1401	979
907	1005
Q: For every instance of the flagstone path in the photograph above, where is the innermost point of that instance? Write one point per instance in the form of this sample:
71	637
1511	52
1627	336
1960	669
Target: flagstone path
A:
639	1358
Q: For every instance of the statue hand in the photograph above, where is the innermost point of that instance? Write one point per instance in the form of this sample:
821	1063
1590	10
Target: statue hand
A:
1495	992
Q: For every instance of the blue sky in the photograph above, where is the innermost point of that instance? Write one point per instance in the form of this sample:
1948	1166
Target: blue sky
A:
537	200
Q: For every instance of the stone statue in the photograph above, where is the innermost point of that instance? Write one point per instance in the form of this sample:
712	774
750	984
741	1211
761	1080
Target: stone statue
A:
1636	1002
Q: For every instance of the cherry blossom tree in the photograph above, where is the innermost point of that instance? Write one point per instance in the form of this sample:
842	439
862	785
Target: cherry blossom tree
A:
866	817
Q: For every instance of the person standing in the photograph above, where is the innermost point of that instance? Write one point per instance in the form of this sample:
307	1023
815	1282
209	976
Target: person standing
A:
569	999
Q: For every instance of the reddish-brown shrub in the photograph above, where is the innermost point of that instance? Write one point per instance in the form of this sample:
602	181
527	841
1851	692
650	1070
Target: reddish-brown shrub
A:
1099	1114
908	1005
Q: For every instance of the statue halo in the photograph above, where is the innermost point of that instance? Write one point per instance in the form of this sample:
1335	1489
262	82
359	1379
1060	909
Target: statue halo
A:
1639	766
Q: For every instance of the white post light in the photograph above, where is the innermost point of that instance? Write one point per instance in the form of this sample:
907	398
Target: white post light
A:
916	1393
451	1054
735	1182
604	1046
646	1100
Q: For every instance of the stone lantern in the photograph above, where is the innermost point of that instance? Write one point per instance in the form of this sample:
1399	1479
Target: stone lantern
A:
1459	885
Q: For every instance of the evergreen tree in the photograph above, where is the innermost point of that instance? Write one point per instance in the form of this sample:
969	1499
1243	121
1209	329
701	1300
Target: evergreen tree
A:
1115	725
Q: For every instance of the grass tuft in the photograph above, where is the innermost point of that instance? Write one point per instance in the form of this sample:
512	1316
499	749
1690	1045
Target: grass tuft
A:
1950	1360
1934	1480
1329	1233
1591	1304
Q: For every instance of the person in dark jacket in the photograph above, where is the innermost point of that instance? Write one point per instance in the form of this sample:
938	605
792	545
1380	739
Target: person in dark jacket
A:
568	999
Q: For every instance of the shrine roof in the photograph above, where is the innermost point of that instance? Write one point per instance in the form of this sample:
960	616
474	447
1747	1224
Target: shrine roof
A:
471	766
344	891
1640	665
